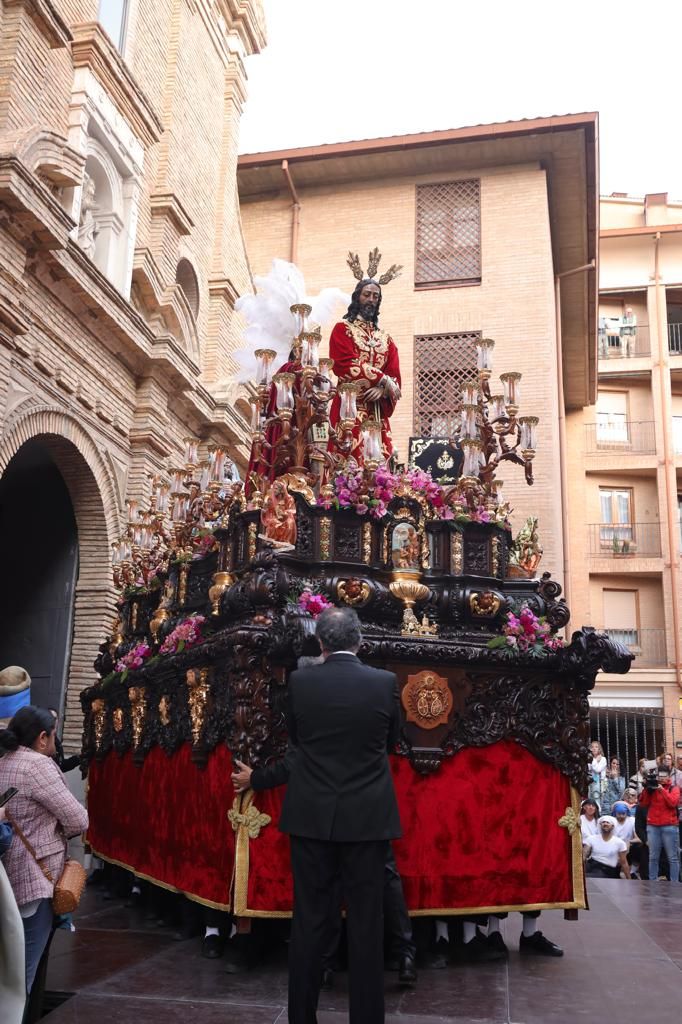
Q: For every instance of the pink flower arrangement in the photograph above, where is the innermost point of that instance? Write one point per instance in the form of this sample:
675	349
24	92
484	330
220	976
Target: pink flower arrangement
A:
371	493
313	604
187	633
134	658
526	633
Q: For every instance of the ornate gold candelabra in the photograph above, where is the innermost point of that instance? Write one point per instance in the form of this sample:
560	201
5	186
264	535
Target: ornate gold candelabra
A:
181	509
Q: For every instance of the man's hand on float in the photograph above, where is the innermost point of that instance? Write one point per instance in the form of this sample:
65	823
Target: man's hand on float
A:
241	780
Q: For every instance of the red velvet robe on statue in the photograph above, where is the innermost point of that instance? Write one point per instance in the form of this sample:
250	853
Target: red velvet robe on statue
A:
364	354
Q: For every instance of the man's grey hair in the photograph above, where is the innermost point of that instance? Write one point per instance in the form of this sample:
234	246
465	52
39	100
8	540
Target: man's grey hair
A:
338	629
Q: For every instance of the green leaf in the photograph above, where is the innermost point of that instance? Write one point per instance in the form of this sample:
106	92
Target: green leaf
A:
497	641
124	675
180	647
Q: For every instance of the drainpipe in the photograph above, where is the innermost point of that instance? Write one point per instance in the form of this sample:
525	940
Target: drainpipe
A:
663	364
295	212
563	467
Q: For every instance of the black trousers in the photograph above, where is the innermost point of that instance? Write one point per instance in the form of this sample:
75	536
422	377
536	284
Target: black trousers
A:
317	865
398	937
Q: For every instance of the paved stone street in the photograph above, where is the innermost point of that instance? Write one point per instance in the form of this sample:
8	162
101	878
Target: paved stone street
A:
628	949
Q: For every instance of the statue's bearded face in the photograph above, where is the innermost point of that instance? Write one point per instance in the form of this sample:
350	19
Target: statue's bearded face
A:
368	300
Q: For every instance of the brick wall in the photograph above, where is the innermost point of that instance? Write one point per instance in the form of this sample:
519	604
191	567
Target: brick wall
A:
78	363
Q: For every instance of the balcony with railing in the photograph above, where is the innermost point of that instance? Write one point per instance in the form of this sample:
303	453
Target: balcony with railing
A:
620	438
624	541
648	645
624	341
675	339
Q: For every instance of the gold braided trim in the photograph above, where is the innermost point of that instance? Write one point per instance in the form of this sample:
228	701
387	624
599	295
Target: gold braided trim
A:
247	821
578	867
163	885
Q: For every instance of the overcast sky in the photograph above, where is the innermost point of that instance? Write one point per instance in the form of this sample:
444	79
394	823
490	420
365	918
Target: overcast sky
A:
335	70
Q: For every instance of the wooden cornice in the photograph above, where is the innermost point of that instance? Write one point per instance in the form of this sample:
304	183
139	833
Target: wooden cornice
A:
92	49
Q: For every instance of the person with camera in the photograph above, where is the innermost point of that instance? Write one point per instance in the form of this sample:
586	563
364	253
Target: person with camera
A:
661	798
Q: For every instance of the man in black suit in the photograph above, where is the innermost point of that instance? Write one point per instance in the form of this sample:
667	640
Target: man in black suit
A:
340	811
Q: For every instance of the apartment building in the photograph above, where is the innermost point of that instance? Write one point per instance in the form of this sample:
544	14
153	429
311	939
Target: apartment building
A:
625	522
121	257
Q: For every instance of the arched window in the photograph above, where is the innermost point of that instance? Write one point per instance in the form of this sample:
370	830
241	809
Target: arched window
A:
105	212
187	279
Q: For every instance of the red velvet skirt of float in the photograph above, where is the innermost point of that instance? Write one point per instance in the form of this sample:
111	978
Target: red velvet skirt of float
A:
481	832
166	819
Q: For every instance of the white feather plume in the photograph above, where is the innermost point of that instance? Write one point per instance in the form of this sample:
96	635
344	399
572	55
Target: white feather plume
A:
270	323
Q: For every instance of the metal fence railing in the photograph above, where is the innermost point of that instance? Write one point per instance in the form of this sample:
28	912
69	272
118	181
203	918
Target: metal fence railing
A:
647	645
675	339
619	343
625	438
624	540
630	734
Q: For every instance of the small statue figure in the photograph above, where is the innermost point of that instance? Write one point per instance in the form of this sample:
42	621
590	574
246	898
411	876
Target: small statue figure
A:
87	225
526	550
278	517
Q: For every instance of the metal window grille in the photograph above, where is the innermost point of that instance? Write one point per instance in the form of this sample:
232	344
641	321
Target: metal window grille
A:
448	233
442	364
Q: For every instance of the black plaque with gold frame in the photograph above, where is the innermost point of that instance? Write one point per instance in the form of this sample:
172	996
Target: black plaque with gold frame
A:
441	456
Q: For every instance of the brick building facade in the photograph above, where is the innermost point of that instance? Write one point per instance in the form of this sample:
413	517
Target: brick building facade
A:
121	256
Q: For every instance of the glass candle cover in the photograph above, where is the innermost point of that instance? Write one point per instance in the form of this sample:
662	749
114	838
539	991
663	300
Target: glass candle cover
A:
216	459
469	423
497	407
371	438
484	354
512	390
204	468
264	358
284	396
472	453
348	408
191	451
469	393
528	431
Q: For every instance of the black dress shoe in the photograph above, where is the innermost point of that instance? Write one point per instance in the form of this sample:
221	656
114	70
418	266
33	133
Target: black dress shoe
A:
212	947
327	978
477	951
407	971
539	945
495	941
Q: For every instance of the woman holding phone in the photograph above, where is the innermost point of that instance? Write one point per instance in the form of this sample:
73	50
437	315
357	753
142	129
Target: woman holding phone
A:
46	813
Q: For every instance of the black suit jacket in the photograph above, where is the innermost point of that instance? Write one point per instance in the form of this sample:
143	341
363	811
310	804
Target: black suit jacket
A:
342	718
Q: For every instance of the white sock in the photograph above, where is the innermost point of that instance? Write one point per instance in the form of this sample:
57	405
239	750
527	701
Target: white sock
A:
469	929
493	924
442	931
233	929
136	889
529	926
210	931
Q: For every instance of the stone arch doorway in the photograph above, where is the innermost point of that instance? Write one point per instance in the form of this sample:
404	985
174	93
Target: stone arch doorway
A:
58	517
